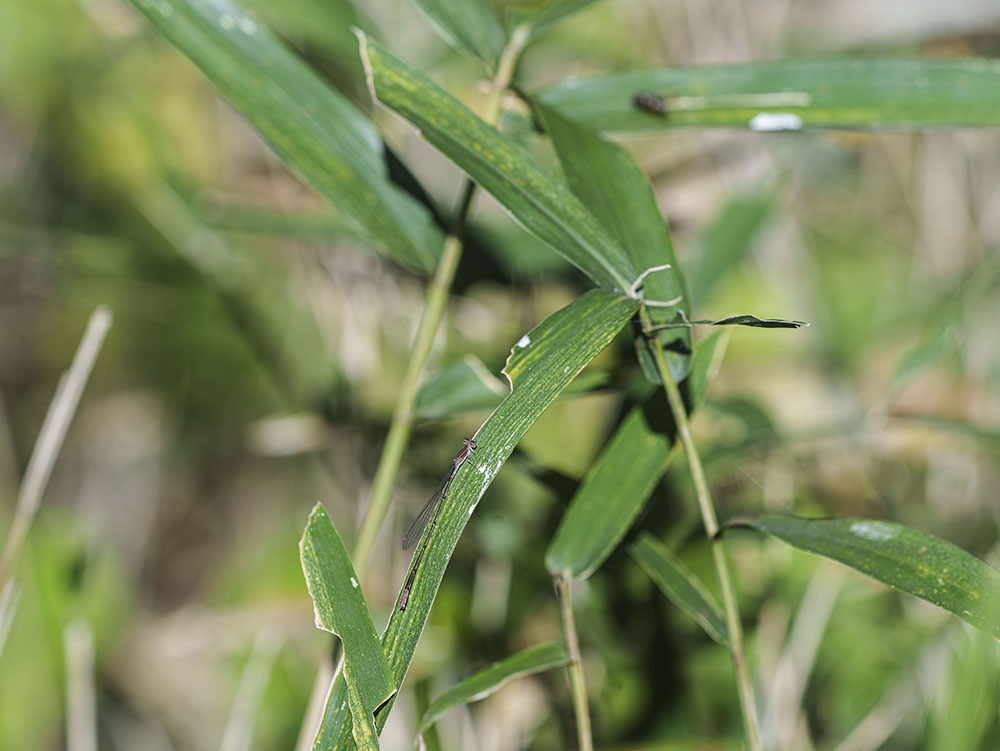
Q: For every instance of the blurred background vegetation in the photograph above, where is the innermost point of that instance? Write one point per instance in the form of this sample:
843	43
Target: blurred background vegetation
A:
256	353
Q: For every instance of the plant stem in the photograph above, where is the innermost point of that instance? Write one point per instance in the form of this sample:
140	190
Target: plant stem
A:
578	686
737	652
437	296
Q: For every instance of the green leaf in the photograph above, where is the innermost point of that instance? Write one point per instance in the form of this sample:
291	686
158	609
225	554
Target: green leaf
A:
623	477
311	127
489	680
786	95
341	609
726	241
469	24
535	198
540	366
542	19
680	586
609	182
913	562
462	387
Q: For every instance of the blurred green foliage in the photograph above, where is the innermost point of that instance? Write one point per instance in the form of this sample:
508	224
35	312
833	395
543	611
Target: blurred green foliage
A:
121	173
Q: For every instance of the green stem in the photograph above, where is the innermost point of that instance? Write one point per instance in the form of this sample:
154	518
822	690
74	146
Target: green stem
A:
737	652
578	686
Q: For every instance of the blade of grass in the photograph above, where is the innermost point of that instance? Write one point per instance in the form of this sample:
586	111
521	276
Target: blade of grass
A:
914	562
469	24
47	446
622	478
535	198
798	94
313	129
340	608
540	366
489	680
680	585
609	182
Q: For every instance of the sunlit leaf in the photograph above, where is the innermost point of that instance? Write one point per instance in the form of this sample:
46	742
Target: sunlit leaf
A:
913	562
341	609
541	365
609	182
537	199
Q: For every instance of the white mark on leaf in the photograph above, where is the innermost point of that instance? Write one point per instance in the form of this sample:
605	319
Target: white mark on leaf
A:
524	341
771	121
874	530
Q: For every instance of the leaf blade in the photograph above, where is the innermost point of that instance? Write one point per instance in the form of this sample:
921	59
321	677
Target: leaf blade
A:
819	94
470	25
680	586
626	471
315	130
489	680
536	199
541	365
914	562
609	182
340	608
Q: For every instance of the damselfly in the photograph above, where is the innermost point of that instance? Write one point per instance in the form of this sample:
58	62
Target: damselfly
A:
430	512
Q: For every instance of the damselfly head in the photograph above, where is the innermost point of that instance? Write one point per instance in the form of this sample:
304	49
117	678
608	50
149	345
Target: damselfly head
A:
471	443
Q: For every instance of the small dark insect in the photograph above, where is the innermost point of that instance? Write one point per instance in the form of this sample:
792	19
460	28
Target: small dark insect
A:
646	100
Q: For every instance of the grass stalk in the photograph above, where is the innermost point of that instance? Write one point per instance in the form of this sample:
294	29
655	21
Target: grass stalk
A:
737	651
578	686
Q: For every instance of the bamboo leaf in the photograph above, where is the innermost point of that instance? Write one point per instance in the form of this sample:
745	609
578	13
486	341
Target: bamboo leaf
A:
680	586
540	366
913	562
787	95
541	20
623	477
609	182
535	198
469	24
489	680
311	127
341	609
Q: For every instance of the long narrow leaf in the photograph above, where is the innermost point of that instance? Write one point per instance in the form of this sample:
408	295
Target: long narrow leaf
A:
680	586
541	365
489	680
622	479
314	129
609	182
469	24
787	95
913	562
535	198
341	609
